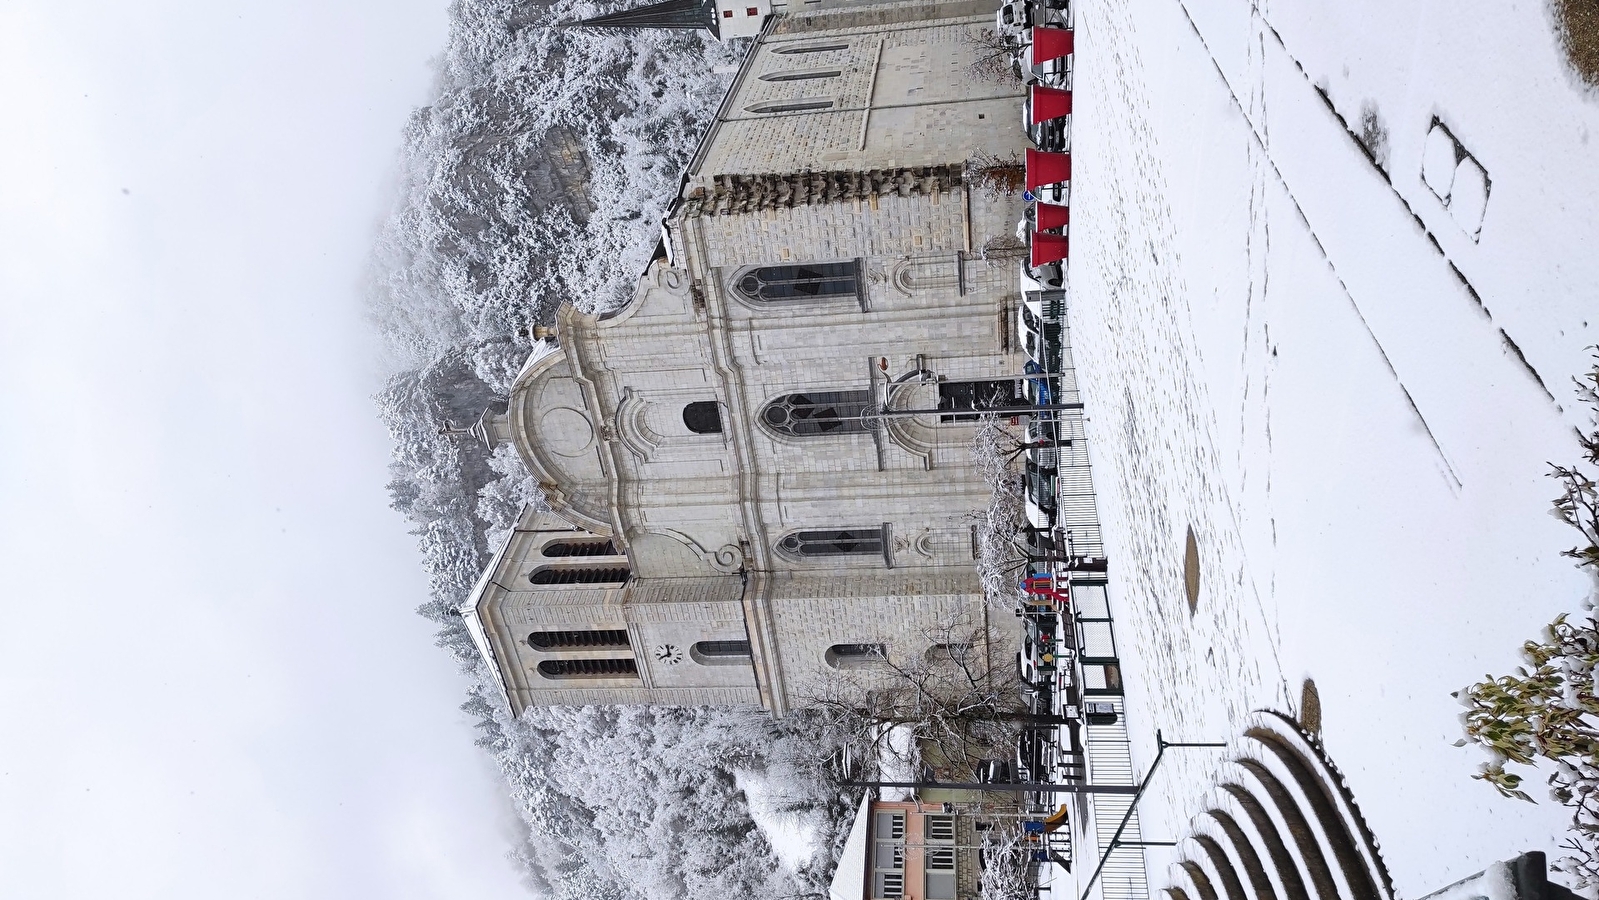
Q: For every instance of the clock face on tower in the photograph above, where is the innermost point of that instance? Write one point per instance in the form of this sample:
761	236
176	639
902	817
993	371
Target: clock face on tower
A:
669	654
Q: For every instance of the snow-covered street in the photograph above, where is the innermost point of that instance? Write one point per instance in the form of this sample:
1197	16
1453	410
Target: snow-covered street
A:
1349	390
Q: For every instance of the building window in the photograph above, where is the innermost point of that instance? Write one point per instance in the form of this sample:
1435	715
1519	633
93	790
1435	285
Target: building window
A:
855	656
890	826
813	48
811	281
594	639
600	547
941	829
819	412
888	856
720	653
703	417
834	542
801	75
803	104
588	668
976	396
580	575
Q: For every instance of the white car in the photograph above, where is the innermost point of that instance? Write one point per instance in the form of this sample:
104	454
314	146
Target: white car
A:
1053	73
1016	17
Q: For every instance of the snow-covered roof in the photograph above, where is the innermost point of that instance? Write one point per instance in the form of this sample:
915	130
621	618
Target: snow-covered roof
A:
474	620
849	879
540	350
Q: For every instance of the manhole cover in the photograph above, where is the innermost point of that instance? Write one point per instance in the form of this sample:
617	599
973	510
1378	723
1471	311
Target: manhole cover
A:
1191	572
1310	707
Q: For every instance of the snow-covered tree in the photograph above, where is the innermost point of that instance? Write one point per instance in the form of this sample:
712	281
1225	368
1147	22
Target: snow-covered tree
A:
944	711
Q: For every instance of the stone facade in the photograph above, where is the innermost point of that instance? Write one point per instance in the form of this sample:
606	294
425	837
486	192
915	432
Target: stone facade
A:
844	187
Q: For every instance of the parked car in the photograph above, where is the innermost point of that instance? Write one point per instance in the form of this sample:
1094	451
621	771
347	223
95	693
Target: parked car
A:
1017	17
1050	276
1041	494
996	771
1053	135
1041	341
1055	72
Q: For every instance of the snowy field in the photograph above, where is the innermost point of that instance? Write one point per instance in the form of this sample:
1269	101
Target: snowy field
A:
1349	389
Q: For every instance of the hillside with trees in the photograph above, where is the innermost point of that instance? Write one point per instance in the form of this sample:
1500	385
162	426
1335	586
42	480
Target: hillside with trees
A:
538	176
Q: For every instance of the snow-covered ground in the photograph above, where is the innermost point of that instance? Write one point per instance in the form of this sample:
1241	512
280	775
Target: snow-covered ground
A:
1348	390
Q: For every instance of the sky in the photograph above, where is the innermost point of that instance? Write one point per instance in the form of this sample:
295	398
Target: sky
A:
213	680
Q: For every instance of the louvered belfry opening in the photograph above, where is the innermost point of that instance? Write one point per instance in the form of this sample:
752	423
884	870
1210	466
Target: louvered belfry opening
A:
580	548
581	575
578	640
588	668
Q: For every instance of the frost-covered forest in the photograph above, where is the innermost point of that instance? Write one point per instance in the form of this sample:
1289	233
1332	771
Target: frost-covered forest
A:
538	177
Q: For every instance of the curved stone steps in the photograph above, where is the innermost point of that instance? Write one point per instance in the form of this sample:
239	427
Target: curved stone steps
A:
1283	826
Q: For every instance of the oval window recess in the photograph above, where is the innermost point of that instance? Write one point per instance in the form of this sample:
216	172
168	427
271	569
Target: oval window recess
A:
786	106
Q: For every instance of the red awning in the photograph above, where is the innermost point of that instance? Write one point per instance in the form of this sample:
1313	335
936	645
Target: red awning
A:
1048	248
1047	168
1051	43
1049	216
1050	103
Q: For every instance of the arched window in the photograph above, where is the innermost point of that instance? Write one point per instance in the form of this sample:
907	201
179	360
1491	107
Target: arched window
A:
813	48
580	575
599	639
810	281
837	542
803	104
801	75
855	656
596	547
819	412
589	668
703	417
720	653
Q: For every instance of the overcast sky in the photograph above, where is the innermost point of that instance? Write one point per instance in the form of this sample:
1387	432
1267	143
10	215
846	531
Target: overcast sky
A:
212	681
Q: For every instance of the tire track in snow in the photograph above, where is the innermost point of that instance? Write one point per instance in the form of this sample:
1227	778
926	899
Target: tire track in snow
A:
1260	135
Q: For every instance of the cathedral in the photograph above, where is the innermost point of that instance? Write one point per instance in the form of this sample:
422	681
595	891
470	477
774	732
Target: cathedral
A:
758	470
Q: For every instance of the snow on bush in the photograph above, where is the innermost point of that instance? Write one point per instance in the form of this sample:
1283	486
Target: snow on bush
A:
1548	710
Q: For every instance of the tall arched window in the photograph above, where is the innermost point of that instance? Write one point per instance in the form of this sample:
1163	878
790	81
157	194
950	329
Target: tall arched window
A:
803	104
813	48
855	656
588	668
819	412
595	639
720	653
703	417
581	575
801	75
595	547
809	281
835	542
